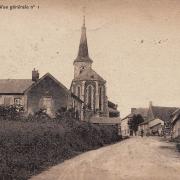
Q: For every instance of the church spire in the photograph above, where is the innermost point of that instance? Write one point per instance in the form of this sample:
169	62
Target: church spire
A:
83	54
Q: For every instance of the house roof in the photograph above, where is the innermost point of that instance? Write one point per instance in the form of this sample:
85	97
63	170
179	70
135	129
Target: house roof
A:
89	74
175	115
128	116
14	86
52	77
163	113
146	122
142	111
20	86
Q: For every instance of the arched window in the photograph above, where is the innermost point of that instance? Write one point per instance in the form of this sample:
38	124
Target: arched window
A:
78	91
90	97
101	98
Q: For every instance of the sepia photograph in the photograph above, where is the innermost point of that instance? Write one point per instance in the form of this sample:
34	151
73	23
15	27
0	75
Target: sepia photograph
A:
89	90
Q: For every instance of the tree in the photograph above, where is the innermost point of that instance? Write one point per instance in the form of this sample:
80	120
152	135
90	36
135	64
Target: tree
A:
134	122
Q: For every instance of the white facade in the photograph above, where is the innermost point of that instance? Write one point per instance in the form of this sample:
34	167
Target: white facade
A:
125	127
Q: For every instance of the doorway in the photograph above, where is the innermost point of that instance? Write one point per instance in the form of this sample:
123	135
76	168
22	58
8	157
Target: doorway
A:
47	105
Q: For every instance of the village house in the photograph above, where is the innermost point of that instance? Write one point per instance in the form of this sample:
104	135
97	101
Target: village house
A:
34	94
158	120
124	122
175	122
125	130
152	127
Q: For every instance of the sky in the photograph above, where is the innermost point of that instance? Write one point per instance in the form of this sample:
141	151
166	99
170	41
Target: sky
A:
134	45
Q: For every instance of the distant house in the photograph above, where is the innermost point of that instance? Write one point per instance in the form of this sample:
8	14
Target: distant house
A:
124	122
175	122
152	127
35	94
125	131
158	120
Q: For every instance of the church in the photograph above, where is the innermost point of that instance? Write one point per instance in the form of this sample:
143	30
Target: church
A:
88	85
86	96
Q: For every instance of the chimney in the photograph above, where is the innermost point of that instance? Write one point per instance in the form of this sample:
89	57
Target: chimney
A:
35	75
133	110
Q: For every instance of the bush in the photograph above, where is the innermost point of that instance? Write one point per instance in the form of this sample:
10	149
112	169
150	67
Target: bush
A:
30	146
11	112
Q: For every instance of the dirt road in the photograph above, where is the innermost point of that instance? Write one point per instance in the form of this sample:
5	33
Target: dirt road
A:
133	159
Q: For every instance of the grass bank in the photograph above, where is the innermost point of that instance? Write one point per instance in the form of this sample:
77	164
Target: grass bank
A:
30	146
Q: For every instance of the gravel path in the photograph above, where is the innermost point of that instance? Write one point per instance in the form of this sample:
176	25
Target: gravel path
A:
137	158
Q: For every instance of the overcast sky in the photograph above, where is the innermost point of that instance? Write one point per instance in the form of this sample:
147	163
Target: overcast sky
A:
134	45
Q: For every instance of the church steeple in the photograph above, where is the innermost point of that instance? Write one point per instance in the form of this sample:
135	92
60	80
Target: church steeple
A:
83	54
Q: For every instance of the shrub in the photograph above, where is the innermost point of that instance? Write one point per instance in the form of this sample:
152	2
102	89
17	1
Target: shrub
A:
27	147
12	112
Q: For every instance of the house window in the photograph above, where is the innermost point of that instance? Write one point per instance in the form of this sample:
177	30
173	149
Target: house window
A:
17	101
47	102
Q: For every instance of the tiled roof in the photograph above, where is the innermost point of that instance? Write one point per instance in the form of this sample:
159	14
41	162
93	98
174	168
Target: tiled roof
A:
126	117
13	86
163	113
89	74
175	115
142	111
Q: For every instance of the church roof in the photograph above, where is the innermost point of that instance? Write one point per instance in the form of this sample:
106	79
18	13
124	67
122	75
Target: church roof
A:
83	54
89	74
